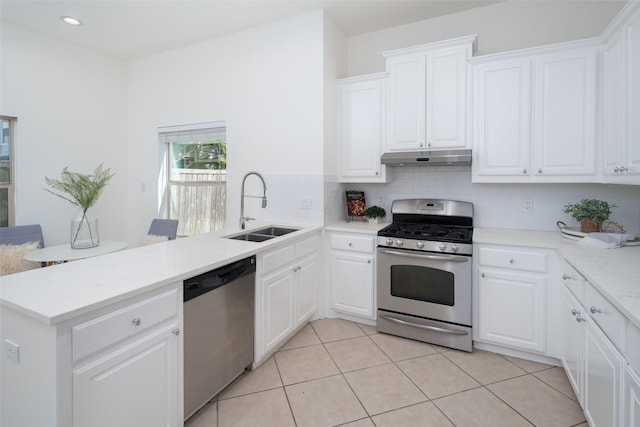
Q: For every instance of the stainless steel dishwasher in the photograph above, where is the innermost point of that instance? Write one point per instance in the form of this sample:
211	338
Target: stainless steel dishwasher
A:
218	330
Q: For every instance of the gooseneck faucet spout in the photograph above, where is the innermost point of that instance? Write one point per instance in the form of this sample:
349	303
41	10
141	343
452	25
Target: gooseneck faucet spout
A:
244	219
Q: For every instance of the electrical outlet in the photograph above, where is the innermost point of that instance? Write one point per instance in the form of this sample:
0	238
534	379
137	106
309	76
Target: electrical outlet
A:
306	203
12	350
527	206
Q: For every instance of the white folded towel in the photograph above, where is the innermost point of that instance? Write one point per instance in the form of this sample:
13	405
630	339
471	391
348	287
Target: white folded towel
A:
604	240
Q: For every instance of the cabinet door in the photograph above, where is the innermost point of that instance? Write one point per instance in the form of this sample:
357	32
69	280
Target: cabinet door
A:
277	310
446	97
502	118
360	130
406	102
571	340
352	284
604	368
512	309
564	115
615	155
306	289
632	54
136	385
631	405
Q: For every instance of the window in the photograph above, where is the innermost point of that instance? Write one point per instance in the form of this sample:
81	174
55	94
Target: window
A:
7	185
196	176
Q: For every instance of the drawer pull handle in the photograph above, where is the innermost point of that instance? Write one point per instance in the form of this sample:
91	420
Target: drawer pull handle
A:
580	318
137	321
350	244
176	331
574	312
566	277
510	260
483	275
594	310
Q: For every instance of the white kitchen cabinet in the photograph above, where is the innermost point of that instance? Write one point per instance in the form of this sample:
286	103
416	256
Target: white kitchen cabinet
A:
136	385
129	359
632	399
118	365
361	128
286	293
594	366
621	102
352	274
512	297
534	114
427	95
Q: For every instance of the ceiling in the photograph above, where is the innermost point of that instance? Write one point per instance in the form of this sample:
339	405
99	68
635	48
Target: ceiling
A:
130	29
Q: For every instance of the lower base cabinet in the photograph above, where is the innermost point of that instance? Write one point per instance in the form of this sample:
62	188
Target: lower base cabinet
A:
632	398
593	365
133	386
286	293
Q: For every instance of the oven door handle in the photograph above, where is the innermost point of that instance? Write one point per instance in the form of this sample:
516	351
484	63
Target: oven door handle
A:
430	328
452	258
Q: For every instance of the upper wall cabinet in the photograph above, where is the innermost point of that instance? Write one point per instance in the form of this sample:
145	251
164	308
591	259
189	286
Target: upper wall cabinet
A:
621	101
427	95
534	114
361	127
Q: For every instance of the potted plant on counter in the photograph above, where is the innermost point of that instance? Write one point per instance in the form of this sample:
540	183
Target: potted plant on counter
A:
591	213
375	214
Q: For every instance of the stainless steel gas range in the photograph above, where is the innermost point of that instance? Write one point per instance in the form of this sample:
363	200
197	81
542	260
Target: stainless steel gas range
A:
424	272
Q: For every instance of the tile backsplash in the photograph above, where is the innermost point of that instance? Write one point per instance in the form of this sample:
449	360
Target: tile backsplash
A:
501	205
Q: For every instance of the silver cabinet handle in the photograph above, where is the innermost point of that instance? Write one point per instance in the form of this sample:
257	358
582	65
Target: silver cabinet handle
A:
176	331
580	318
137	321
368	261
566	277
377	173
524	171
350	244
539	170
510	260
574	312
616	169
483	275
594	310
429	144
622	169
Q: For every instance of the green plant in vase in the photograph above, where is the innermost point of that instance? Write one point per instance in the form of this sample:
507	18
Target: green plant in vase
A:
375	213
591	213
82	191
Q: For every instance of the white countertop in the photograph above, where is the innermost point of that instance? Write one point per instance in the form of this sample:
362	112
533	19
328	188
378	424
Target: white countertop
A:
60	292
356	226
615	273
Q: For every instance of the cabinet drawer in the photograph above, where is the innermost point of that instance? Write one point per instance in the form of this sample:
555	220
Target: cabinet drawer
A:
612	322
572	280
353	243
513	258
277	258
308	246
104	331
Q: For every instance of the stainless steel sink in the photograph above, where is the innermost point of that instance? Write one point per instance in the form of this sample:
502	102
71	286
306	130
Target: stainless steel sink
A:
262	234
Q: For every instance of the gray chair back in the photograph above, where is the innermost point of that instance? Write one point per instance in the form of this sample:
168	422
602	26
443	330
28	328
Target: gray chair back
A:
20	234
164	227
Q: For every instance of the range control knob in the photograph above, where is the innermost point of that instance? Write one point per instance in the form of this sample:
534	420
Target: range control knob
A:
390	242
442	246
455	248
399	242
420	244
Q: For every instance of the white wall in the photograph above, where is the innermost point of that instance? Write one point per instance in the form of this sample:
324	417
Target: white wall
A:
70	107
266	83
500	27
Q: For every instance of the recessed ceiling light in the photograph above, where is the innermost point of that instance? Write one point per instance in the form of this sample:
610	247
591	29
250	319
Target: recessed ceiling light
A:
71	20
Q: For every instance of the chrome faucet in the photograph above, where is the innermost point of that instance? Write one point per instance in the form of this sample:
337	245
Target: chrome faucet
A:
244	219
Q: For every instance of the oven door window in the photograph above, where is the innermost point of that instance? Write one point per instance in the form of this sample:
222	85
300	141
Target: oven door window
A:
422	284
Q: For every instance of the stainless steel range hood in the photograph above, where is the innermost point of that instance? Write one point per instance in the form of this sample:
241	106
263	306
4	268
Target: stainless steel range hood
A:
427	158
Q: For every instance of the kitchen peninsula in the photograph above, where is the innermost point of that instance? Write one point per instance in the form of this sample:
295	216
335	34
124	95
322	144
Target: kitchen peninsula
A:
123	311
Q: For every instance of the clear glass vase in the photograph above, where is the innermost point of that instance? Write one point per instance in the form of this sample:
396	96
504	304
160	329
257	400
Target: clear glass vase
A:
84	231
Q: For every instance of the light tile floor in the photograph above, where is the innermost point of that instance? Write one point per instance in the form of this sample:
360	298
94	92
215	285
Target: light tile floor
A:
340	373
